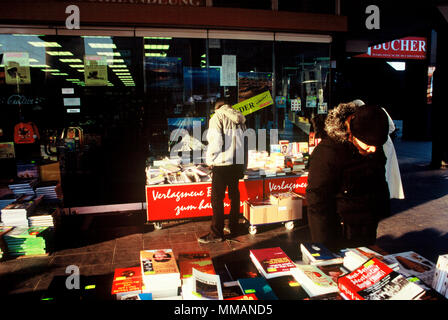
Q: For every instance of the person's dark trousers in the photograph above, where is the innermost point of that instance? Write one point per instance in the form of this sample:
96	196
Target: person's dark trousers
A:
224	177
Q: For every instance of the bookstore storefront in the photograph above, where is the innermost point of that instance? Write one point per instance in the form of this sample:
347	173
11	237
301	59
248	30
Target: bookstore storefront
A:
104	104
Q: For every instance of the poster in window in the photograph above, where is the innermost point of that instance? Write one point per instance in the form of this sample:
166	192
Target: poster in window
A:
95	70
196	80
322	108
253	83
296	104
7	150
17	68
311	101
228	74
164	72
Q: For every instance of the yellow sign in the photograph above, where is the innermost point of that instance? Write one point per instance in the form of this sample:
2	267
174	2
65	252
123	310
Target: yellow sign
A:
17	68
255	103
95	70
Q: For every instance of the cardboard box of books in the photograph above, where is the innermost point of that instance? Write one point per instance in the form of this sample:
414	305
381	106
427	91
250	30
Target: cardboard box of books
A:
260	212
279	207
289	205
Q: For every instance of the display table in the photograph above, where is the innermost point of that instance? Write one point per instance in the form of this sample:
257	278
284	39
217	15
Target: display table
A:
169	202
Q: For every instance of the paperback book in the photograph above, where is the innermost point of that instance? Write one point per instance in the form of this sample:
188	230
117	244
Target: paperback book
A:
412	264
200	260
314	280
271	262
127	281
287	288
355	257
374	280
258	286
318	254
440	280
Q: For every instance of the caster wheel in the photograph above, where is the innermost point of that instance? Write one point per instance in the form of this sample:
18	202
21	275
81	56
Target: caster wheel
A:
289	225
252	230
158	225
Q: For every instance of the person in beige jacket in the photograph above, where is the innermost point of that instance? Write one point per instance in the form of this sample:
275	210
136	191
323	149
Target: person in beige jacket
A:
227	157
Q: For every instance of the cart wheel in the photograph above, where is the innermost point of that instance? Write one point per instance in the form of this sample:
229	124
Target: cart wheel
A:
252	229
158	225
289	225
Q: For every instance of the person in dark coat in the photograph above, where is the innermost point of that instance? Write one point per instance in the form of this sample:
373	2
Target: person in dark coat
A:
347	192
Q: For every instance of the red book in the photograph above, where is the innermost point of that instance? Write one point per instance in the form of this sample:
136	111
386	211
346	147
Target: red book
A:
126	281
200	260
272	262
374	280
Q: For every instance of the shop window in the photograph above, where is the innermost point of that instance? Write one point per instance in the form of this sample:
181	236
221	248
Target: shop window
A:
303	80
129	94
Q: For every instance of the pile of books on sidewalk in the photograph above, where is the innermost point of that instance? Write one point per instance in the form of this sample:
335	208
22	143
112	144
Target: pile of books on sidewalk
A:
362	273
50	190
24	241
16	213
24	186
160	273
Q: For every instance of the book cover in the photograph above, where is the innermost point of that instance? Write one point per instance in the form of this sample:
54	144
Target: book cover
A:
360	255
318	254
161	261
334	271
206	286
412	264
440	279
231	289
258	286
271	262
127	280
200	260
314	281
287	288
374	280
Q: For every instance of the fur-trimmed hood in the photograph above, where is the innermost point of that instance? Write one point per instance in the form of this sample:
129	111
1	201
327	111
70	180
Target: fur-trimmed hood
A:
335	121
232	114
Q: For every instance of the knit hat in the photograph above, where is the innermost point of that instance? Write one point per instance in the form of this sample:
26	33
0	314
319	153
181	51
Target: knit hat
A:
370	125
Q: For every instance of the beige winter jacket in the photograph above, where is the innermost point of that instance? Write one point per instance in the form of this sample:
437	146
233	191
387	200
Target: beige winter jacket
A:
227	126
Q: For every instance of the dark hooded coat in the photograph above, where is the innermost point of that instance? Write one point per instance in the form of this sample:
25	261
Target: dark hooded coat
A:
345	186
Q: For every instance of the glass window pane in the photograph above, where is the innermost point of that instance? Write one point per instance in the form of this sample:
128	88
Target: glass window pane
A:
303	80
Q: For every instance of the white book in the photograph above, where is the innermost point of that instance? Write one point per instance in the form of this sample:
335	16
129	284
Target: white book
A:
313	280
440	279
412	264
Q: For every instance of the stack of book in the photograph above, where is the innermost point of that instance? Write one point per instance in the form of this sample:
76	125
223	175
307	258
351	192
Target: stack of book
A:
50	190
318	254
271	262
16	214
23	241
127	283
3	248
45	215
23	186
160	273
7	199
